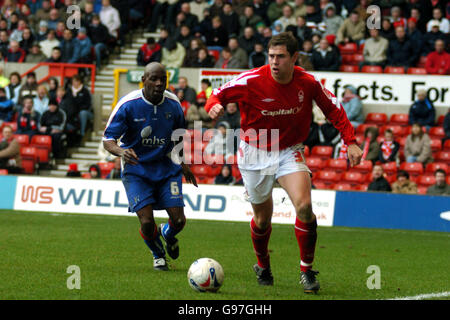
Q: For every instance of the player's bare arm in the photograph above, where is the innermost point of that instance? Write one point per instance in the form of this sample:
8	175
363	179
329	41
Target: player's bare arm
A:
354	154
128	155
187	173
216	111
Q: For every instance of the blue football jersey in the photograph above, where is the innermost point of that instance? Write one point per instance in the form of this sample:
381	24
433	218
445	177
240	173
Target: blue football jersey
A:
147	129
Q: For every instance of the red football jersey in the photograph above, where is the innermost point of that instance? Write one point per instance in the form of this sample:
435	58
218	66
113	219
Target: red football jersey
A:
267	104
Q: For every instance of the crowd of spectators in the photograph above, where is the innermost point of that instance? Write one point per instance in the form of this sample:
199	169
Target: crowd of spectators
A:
235	33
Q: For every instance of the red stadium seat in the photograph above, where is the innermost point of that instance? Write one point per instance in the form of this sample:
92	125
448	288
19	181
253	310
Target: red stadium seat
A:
442	156
436	133
409	130
426	180
353	177
342	186
349	68
416	71
413	168
394	70
320	185
362	127
422	62
433	166
436	145
22	139
446	146
29	158
324	152
372	69
348	48
43	145
347	59
201	170
422	189
315	163
215	54
398	131
361	48
328	177
3	172
401	119
339	165
357	59
364	167
440	120
13	125
390	168
105	168
377	118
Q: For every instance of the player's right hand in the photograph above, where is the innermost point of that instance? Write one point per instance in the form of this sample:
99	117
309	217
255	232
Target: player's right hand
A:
129	156
216	111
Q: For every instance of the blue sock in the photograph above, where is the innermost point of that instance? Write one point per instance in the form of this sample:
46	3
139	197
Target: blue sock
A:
169	232
155	245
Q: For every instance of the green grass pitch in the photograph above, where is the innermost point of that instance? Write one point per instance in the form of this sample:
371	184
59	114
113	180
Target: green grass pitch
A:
37	248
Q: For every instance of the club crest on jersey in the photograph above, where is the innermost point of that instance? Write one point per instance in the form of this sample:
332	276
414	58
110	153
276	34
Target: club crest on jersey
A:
301	96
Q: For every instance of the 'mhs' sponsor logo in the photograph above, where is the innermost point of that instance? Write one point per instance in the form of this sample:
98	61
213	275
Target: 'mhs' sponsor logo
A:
280	112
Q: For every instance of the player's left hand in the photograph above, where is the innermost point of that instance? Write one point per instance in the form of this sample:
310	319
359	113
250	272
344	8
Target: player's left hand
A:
354	154
190	178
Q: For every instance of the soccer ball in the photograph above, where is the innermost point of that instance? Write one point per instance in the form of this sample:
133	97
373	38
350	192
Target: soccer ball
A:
205	274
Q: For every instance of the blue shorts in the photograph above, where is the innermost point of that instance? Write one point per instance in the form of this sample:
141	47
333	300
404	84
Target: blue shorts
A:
163	194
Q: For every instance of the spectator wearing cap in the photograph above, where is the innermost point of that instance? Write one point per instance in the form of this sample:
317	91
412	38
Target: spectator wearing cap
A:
401	51
440	188
444	25
438	61
331	20
375	49
431	37
403	184
53	122
352	29
35	55
324	58
49	43
85	46
15	53
72	171
149	52
41	35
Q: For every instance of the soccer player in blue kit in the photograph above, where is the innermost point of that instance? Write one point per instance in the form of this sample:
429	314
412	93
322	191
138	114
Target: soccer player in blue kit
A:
144	121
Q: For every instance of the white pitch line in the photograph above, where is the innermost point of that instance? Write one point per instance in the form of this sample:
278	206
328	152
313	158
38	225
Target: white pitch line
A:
425	296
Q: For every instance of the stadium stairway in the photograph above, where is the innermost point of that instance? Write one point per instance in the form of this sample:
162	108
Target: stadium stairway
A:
87	153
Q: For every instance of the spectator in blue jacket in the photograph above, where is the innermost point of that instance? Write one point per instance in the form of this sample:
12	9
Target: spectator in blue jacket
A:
85	46
422	111
6	107
70	48
353	106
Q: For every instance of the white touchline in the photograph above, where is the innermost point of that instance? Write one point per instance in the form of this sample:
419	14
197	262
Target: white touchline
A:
424	296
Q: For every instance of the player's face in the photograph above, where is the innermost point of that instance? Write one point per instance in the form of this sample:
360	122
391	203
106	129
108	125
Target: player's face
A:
154	85
281	63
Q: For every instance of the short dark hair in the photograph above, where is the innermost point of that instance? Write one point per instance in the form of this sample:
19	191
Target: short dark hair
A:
285	39
402	173
440	171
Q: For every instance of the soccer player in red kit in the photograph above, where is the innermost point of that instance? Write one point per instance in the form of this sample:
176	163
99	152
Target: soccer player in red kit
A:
278	97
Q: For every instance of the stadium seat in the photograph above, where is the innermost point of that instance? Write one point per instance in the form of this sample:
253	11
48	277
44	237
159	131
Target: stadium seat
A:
347	59
390	168
362	127
436	133
86	175
328	177
339	165
426	180
349	68
43	145
416	71
436	145
433	166
105	168
446	146
13	125
348	48
422	62
22	139
372	69
324	152
394	70
342	186
201	170
442	156
365	166
422	189
353	178
3	172
215	54
409	130
357	59
397	130
215	170
413	168
391	179
210	180
401	119
361	48
440	120
29	158
320	185
377	118
315	163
